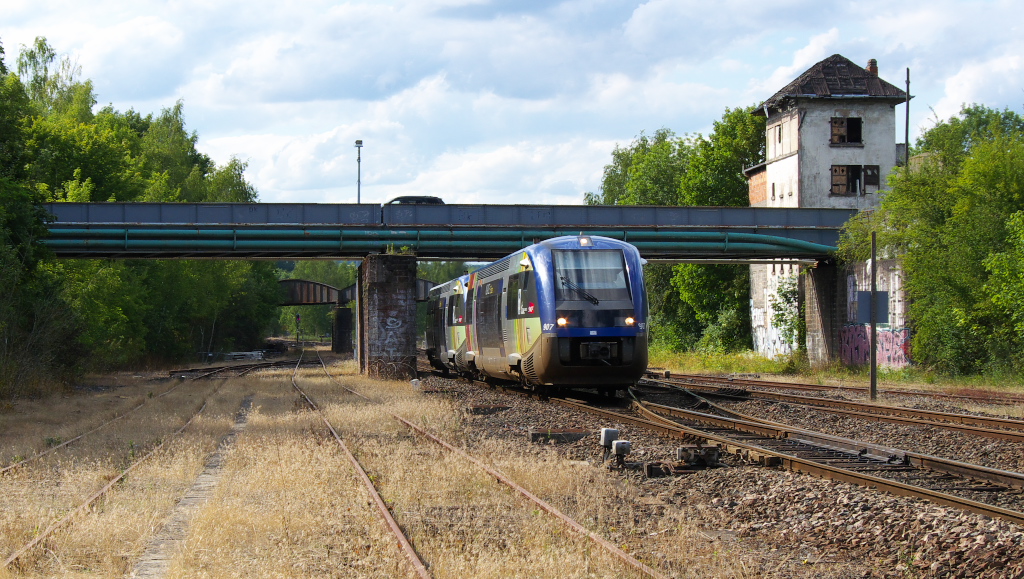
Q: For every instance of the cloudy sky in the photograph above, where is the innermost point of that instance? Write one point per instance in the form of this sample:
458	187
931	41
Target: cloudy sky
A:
495	101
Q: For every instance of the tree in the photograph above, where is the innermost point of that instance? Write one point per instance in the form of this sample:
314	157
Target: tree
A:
692	306
645	173
950	221
719	295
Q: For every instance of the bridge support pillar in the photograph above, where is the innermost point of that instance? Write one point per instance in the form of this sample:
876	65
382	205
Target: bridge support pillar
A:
824	313
341	339
387	316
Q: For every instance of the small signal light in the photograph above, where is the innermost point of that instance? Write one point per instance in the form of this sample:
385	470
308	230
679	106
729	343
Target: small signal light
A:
586	241
562	322
630	321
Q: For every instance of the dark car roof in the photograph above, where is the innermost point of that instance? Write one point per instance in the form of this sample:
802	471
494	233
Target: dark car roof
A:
415	200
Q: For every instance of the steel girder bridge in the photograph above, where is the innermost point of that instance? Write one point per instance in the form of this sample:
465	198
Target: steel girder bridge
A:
450	232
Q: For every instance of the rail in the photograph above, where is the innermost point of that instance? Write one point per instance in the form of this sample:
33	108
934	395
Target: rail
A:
407	549
773	457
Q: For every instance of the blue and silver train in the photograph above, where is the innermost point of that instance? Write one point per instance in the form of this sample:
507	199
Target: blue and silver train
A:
569	311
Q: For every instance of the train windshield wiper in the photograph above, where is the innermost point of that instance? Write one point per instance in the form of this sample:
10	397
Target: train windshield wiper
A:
586	295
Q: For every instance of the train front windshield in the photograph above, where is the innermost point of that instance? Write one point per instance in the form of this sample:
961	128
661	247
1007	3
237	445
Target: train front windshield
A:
592	275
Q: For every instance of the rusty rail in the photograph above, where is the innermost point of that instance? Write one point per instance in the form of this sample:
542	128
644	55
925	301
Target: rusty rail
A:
57	447
85	505
689	379
544	505
966	423
744	423
407	549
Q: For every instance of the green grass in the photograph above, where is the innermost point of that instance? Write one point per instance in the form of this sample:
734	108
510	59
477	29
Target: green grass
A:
797	367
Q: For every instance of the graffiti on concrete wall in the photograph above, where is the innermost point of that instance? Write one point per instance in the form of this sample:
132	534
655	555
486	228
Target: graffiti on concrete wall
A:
893	346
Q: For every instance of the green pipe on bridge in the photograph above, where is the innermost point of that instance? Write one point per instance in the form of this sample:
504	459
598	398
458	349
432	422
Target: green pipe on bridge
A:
226	238
221	245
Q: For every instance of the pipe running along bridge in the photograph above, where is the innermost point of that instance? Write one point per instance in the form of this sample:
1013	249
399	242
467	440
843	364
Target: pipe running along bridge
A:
451	232
390	239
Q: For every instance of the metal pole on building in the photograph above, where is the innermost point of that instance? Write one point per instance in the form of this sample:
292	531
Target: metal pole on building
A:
873	309
359	169
906	126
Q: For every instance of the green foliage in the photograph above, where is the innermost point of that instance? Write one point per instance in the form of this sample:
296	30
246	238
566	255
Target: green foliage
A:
788	312
91	314
1006	282
950	220
645	173
715	173
692	306
34	325
14	109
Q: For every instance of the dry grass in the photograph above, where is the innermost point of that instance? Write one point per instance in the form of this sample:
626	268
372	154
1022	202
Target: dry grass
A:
104	542
468	525
289	505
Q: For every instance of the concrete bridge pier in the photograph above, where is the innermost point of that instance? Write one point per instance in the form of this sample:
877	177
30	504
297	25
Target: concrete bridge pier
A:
824	293
387	316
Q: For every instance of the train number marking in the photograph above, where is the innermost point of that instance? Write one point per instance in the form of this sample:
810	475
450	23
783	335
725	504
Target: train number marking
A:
641	325
548	327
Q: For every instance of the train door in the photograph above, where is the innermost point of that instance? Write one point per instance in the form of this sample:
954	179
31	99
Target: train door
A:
523	311
488	325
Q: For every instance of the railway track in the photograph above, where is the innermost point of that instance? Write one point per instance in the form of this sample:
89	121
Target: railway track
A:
986	426
72	440
84	506
543	505
235	370
415	562
823	456
728	382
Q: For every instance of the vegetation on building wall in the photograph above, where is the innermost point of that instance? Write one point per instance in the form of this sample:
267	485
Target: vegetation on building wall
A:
955	221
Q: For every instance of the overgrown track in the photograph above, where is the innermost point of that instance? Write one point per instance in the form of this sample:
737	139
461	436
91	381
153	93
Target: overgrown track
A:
403	541
106	423
696	379
235	370
542	504
986	426
84	506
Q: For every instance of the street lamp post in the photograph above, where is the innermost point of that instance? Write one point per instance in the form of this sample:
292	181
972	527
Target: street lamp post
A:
359	169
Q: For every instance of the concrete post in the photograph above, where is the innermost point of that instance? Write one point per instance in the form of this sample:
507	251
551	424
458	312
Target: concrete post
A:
387	328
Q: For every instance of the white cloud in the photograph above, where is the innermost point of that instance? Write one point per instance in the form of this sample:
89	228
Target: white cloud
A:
999	79
818	48
502	100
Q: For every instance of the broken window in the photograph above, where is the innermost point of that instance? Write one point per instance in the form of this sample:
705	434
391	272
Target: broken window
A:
846	130
872	176
846	180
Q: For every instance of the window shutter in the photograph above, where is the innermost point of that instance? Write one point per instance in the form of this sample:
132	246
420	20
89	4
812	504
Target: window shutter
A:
839	180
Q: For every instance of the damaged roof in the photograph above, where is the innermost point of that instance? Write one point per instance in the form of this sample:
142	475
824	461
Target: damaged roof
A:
835	77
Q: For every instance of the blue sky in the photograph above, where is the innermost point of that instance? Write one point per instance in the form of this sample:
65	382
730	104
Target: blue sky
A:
503	101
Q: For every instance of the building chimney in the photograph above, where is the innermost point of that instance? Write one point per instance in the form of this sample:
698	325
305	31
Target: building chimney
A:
873	67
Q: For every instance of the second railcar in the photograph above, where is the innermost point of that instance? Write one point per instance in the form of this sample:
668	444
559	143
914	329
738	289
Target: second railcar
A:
569	311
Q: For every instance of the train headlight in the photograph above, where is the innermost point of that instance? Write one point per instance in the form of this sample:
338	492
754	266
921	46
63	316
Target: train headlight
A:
630	321
562	322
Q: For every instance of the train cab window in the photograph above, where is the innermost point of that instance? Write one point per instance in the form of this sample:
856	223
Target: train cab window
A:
591	275
522	296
